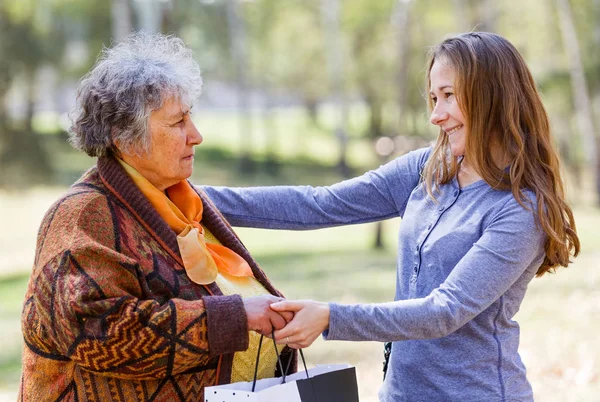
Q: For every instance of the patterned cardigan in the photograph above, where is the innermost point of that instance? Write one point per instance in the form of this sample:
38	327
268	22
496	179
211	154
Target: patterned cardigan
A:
110	314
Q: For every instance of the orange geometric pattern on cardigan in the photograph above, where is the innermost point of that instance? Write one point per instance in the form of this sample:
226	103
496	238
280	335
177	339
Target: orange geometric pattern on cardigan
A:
110	314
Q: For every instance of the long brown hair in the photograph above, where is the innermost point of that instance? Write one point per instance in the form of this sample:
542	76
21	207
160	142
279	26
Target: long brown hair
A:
503	110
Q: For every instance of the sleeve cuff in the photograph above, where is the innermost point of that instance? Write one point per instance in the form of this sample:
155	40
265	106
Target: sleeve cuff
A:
330	333
227	324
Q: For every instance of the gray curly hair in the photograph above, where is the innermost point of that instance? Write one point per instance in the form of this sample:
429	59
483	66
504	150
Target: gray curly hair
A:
128	82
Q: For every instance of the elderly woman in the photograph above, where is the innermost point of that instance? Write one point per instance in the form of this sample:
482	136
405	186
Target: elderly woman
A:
140	289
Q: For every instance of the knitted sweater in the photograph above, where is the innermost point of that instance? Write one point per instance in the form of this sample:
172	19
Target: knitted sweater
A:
110	314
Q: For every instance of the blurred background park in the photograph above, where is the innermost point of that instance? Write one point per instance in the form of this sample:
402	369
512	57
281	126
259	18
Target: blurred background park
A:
309	92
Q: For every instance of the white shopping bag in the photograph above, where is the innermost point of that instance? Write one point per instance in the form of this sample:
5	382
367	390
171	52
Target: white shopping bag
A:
326	383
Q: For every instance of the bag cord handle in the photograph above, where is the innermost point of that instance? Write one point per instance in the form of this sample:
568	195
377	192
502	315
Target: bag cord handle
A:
283	373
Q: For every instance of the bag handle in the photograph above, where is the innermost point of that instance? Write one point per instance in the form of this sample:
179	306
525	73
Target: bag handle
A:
283	373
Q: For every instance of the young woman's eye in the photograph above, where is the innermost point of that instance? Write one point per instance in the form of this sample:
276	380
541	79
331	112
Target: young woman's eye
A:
448	94
434	100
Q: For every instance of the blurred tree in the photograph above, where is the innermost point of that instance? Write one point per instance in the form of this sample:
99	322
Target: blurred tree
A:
289	50
121	19
488	14
401	19
262	21
336	62
477	15
203	25
29	38
238	40
582	104
216	30
462	15
369	31
371	34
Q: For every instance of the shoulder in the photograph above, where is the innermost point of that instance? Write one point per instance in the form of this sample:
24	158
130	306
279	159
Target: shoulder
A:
85	206
417	158
83	198
81	215
526	203
411	163
516	215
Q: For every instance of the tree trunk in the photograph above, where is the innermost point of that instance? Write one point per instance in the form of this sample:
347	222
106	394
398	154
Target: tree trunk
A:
375	116
23	157
271	163
487	16
31	85
149	15
331	17
311	106
596	96
581	97
121	19
462	15
378	243
238	48
401	19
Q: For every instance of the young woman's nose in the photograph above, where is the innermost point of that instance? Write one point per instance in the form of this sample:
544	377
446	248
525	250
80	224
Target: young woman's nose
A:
438	115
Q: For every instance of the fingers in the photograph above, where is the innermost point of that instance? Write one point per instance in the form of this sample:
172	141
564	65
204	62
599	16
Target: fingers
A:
299	340
306	326
287	305
277	320
287	315
261	318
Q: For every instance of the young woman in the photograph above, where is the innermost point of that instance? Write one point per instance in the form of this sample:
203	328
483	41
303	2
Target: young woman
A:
483	212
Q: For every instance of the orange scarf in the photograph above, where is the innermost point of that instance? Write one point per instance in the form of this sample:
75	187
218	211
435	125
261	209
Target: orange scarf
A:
181	207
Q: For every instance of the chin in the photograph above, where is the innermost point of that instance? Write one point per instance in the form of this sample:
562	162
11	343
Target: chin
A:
457	147
186	175
457	152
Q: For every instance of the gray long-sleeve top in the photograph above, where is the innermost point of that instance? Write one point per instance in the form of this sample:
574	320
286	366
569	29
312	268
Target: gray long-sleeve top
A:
464	263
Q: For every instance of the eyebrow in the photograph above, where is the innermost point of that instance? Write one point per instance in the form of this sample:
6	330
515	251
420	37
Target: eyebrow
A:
442	88
179	114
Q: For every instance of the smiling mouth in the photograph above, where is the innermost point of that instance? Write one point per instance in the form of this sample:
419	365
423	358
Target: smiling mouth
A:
453	130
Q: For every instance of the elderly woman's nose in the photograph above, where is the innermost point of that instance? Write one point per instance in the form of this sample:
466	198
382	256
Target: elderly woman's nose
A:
194	136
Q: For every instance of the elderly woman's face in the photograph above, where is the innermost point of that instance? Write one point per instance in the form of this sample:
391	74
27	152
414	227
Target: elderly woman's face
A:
173	136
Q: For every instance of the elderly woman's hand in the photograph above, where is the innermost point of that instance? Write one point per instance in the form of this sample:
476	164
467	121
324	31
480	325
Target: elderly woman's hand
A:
310	319
263	319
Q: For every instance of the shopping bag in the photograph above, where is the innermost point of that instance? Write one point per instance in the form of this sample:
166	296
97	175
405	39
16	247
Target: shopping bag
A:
323	383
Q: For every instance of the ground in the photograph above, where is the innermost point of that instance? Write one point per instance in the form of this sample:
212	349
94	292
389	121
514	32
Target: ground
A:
559	316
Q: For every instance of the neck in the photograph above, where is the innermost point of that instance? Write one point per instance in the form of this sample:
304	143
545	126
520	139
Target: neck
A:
466	174
156	180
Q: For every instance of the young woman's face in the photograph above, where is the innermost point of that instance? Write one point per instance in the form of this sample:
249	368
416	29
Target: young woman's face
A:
446	113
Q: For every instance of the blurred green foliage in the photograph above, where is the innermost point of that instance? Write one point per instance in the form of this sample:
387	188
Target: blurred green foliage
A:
284	52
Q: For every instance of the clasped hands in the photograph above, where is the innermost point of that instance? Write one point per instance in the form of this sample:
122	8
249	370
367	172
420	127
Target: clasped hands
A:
297	323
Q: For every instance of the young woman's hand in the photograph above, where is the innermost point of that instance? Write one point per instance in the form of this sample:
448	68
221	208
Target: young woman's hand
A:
311	318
